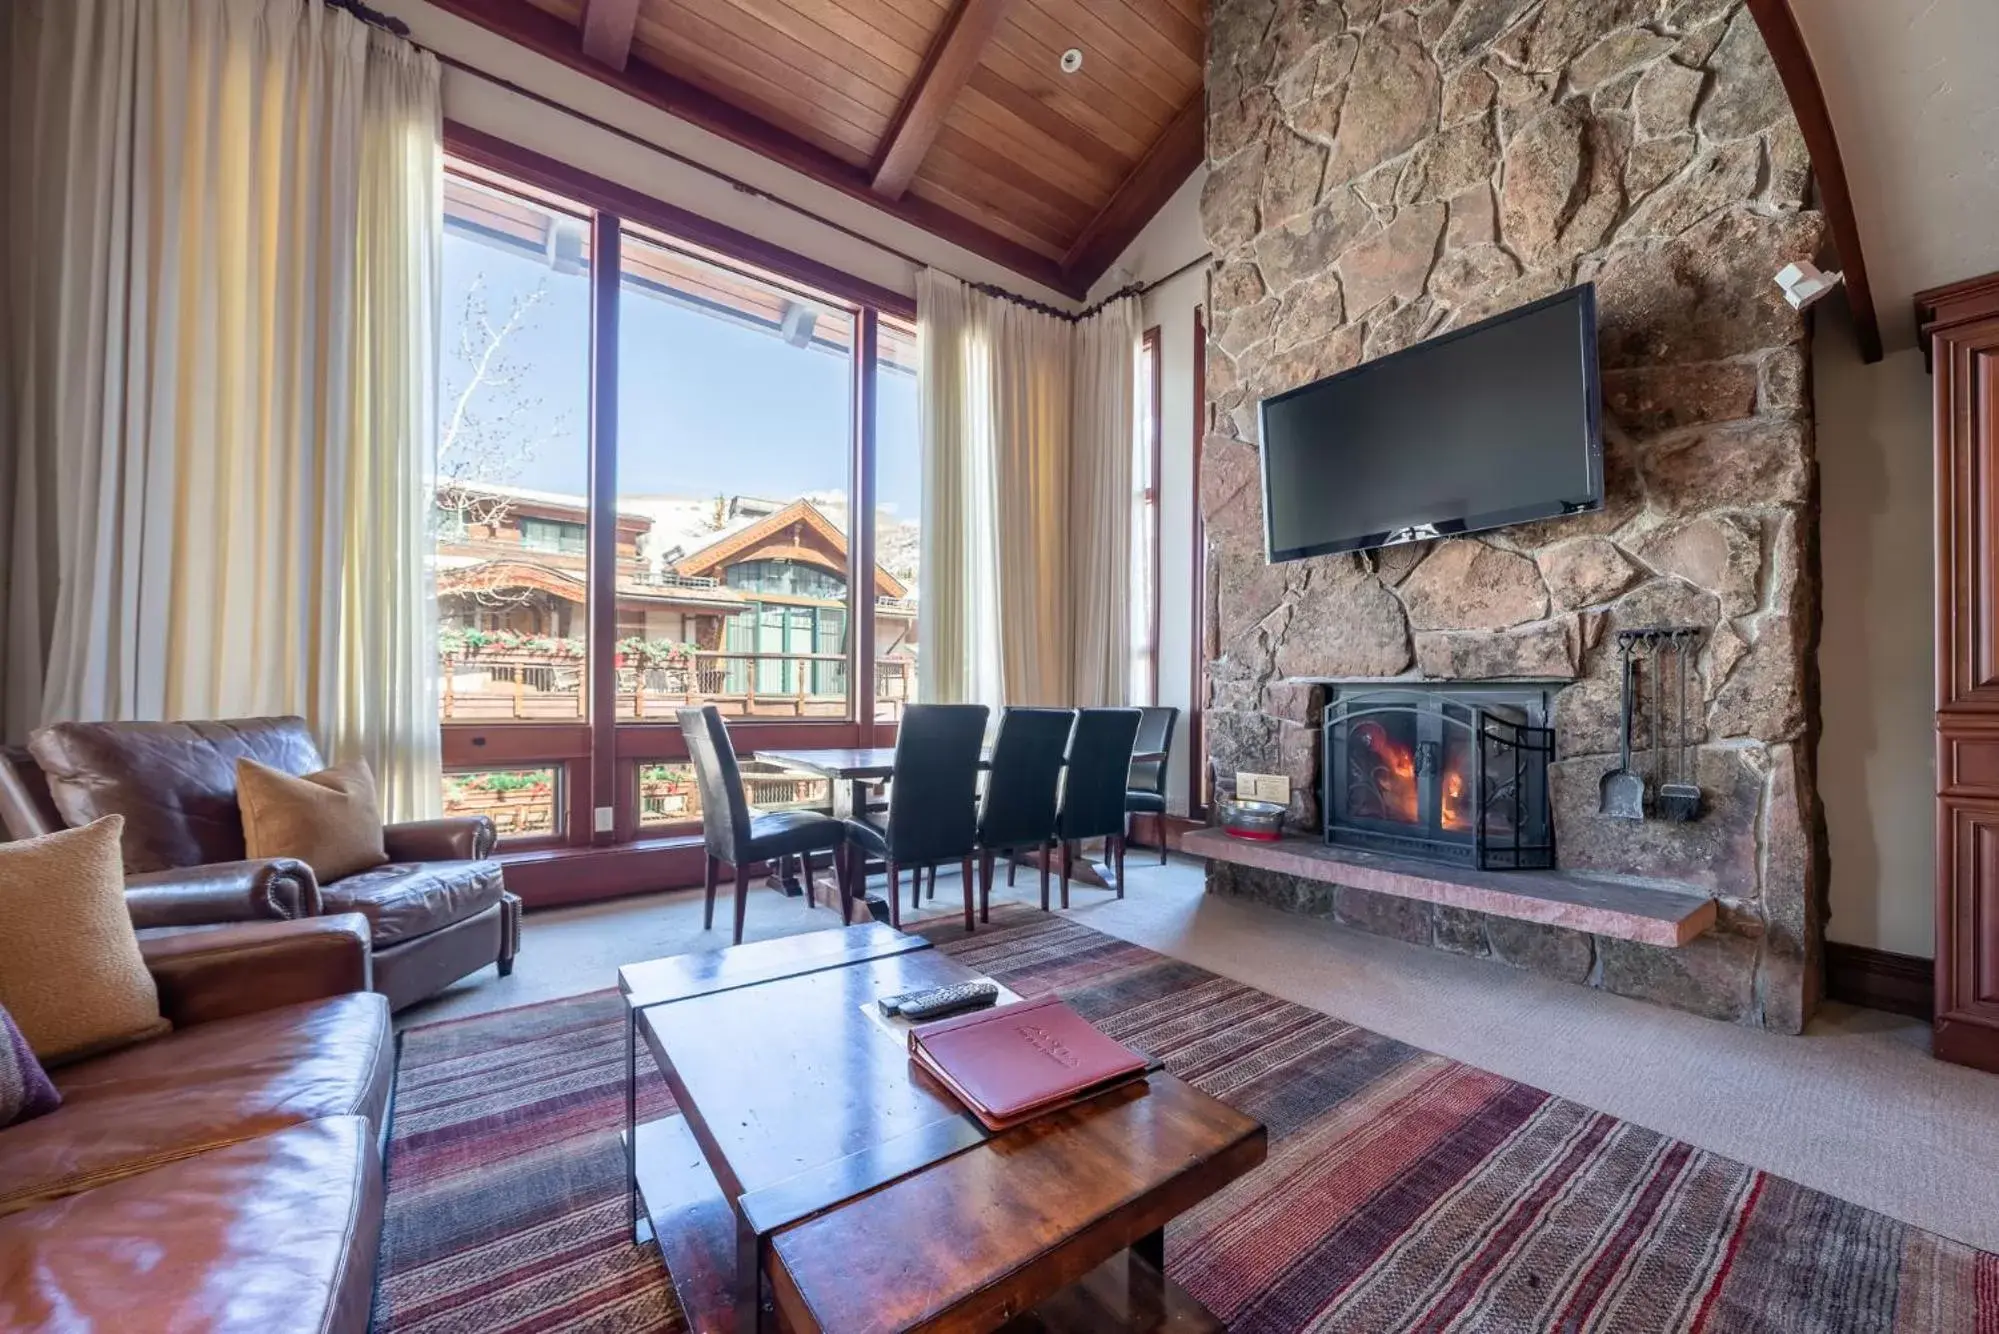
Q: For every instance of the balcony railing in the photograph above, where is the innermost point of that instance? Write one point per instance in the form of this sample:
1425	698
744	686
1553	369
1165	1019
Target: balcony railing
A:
529	687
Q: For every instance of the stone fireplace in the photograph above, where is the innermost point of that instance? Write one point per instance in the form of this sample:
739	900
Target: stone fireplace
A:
1382	171
1454	773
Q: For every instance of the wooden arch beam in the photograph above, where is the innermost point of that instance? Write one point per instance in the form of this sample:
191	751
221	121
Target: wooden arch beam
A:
608	26
1180	148
1786	41
946	68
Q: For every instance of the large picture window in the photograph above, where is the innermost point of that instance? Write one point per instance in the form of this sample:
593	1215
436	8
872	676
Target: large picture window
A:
898	518
512	469
650	454
735	411
1143	688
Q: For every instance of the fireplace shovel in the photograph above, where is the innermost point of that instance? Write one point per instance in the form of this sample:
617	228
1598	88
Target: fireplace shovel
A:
1622	792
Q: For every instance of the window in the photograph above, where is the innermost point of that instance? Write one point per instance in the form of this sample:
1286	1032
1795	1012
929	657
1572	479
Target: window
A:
521	803
783	576
898	518
512	504
1144	684
554	535
603	562
735	408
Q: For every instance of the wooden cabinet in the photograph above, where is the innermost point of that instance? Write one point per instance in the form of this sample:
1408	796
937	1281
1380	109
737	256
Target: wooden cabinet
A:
1961	326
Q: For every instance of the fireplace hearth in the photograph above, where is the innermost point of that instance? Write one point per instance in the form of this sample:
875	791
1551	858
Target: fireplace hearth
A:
1451	772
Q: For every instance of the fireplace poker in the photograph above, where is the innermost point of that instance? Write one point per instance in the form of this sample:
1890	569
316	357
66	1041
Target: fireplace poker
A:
1681	799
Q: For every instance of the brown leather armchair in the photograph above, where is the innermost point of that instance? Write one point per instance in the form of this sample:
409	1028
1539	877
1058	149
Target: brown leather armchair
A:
437	911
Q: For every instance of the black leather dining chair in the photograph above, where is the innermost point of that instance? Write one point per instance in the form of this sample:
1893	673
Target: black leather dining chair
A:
933	800
1023	784
738	837
1145	790
1093	788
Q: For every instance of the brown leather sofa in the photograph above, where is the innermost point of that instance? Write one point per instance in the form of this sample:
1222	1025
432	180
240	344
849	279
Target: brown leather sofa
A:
226	1177
437	911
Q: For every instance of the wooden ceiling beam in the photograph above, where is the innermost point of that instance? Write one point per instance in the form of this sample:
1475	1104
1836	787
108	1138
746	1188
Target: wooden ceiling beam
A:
551	36
947	66
1786	41
1180	148
608	26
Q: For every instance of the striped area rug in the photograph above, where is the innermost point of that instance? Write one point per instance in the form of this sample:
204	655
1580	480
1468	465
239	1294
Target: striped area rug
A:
1403	1191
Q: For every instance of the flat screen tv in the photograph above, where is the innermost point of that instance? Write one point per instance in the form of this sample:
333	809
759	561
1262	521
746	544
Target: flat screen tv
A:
1493	424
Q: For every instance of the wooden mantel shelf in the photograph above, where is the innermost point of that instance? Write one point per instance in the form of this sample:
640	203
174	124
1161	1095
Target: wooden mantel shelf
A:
1628	908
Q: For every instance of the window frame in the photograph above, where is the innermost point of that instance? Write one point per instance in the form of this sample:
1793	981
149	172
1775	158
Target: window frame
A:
599	759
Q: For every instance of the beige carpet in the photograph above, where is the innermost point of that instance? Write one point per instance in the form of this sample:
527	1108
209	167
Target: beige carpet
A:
1855	1108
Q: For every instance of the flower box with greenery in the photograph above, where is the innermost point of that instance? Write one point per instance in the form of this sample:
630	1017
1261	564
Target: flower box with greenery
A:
456	643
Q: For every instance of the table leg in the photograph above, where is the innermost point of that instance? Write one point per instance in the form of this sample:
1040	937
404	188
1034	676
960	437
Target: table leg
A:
1151	1248
632	1120
749	1279
1145	1291
857	806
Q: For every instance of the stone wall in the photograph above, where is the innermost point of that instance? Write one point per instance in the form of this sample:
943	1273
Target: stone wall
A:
1384	171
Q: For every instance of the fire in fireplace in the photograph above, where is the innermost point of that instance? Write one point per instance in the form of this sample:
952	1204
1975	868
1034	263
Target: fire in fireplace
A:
1449	772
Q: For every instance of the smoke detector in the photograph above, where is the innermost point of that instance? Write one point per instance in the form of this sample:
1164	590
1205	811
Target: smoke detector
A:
1072	60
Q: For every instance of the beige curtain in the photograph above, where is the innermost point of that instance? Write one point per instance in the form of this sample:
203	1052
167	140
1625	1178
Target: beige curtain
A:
386	707
1029	373
212	203
1103	433
959	628
1027	437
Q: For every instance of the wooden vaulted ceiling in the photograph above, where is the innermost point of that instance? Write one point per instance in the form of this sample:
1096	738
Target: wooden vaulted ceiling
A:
952	114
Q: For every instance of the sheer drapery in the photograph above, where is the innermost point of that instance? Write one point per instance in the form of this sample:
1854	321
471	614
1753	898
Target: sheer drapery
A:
387	709
220	304
1103	433
1029	372
1027	437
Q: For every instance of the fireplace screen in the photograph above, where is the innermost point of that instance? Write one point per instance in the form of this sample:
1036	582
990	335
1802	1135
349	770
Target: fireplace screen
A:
1453	773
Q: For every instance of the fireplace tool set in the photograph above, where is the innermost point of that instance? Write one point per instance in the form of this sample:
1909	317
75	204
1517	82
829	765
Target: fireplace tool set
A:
1667	790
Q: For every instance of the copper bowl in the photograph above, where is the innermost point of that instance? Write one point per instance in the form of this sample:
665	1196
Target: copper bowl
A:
1262	820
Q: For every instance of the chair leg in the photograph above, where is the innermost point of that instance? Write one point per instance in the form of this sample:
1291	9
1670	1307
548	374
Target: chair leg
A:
965	871
986	886
1012	865
895	896
1160	821
805	872
1118	839
1047	854
933	882
708	905
742	898
844	883
916	888
1068	855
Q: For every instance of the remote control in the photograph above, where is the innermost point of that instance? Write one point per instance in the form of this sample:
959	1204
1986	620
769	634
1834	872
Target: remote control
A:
940	1002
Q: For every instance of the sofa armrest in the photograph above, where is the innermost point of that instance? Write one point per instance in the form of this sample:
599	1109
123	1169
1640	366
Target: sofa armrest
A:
458	838
276	889
234	970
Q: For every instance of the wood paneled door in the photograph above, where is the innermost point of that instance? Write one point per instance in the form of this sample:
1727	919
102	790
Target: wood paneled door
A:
1961	325
960	116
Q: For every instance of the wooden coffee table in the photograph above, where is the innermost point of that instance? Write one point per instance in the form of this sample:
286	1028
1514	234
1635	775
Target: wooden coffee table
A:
815	1180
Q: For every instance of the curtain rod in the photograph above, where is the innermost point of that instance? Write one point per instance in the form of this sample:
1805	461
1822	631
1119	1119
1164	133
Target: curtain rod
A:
376	18
1129	289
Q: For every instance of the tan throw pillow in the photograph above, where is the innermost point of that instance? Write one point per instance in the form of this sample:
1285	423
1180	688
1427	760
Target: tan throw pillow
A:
330	820
70	971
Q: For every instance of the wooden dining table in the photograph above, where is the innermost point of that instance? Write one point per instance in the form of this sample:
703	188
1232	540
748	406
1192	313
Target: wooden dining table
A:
854	769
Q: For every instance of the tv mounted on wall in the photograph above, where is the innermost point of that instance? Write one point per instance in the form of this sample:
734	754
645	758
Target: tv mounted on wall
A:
1493	424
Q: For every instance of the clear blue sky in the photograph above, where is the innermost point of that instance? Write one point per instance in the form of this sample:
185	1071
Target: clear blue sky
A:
705	406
